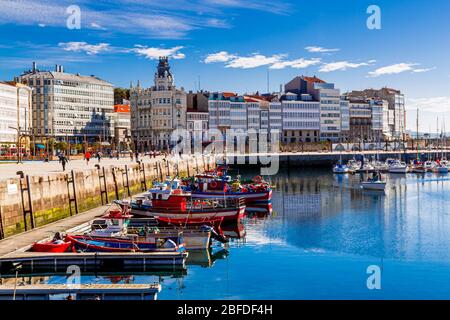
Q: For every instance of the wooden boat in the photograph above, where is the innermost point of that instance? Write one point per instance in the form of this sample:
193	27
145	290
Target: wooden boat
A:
105	244
179	205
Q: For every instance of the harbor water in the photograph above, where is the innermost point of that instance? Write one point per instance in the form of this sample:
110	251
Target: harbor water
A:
319	242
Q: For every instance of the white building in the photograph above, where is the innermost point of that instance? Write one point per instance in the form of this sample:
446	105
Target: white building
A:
330	103
70	106
300	118
15	114
157	111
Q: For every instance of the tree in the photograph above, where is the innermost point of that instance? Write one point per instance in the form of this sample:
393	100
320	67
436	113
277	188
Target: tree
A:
120	94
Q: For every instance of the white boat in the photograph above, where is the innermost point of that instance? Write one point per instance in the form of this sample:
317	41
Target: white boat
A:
373	185
353	165
429	165
397	167
340	168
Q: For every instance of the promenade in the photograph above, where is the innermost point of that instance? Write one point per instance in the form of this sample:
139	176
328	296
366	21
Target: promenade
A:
8	170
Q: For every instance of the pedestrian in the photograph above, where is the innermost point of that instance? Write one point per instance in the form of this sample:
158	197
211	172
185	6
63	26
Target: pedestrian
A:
131	156
64	162
99	156
88	157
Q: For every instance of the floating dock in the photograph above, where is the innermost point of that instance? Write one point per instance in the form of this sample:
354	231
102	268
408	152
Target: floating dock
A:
80	292
144	261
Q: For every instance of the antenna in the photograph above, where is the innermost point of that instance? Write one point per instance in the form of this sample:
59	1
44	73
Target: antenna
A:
268	81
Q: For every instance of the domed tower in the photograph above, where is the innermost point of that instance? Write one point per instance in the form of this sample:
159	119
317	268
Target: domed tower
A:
163	77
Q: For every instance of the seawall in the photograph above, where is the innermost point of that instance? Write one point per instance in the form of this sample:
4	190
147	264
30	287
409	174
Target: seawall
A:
33	201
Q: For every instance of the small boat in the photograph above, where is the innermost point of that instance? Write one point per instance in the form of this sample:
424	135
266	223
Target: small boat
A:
105	244
429	165
374	183
440	168
397	166
56	245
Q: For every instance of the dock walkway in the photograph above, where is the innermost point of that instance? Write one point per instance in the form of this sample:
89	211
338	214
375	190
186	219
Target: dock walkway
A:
22	240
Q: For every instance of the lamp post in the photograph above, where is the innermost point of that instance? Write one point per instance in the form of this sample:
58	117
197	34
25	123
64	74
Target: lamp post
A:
18	143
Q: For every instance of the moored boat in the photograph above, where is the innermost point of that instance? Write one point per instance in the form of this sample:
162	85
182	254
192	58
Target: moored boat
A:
105	244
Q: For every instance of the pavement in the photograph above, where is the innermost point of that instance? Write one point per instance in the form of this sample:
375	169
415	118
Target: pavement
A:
9	170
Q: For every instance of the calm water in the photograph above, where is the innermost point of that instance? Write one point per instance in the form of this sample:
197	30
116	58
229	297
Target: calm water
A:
322	235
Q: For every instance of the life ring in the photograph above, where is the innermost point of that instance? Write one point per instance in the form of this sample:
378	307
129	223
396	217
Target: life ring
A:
257	179
213	184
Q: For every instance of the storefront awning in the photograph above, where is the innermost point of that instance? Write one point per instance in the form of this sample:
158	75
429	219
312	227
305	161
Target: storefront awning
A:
40	146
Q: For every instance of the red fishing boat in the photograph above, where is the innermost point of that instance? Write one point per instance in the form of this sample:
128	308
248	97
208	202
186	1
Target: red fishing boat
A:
177	205
208	186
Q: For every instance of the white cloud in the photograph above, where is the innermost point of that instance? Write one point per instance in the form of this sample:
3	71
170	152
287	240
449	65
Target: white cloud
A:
342	66
154	53
97	26
393	69
315	49
222	56
432	104
296	64
253	61
423	70
90	49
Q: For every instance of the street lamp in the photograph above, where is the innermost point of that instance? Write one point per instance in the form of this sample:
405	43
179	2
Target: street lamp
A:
18	143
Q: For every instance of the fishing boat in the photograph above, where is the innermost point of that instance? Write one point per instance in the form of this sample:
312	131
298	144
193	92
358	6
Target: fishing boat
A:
117	224
211	187
105	244
176	205
418	167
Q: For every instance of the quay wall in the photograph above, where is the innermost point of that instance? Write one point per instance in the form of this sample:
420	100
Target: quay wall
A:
50	194
327	158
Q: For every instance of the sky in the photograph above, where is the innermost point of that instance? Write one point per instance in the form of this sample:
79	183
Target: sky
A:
242	46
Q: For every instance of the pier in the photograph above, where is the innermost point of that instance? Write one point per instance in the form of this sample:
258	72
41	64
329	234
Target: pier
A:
81	291
33	261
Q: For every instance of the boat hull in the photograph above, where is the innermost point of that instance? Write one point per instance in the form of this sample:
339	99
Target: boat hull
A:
373	186
249	197
199	217
98	244
50	247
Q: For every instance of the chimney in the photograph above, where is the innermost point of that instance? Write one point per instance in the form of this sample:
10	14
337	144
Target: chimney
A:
61	69
34	66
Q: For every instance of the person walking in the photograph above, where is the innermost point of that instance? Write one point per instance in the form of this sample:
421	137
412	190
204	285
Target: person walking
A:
99	156
87	155
63	161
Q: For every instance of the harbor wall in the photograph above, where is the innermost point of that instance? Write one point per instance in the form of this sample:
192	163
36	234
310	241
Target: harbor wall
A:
61	195
328	159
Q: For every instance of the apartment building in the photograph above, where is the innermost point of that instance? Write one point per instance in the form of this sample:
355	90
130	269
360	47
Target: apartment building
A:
330	103
15	115
70	107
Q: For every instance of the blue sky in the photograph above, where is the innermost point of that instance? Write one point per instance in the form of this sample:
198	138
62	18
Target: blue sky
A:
233	44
